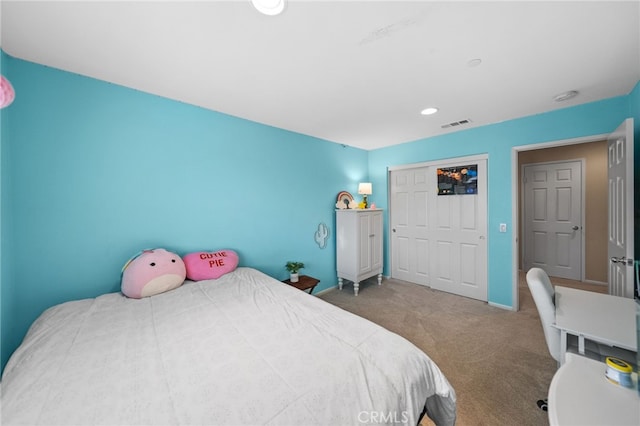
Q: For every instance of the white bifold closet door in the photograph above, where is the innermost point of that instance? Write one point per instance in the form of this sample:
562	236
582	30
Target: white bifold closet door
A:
439	240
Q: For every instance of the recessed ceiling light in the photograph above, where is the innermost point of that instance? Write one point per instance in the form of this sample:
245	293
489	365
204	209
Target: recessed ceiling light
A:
565	96
429	111
269	7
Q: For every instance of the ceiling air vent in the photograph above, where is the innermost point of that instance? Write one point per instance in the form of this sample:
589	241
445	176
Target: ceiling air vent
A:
456	124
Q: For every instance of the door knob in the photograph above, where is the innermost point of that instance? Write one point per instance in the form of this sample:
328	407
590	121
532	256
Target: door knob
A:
623	260
575	227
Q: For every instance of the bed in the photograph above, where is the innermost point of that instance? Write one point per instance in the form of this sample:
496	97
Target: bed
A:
243	349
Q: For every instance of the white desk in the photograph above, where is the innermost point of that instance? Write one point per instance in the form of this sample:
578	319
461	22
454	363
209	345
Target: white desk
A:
581	395
599	317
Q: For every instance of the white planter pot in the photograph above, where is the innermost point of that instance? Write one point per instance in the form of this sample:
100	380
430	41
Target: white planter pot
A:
293	278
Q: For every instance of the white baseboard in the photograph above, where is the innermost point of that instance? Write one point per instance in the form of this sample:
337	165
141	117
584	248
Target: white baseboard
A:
326	290
498	305
595	282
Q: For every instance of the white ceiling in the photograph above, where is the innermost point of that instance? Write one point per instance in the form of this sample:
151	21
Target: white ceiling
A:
355	73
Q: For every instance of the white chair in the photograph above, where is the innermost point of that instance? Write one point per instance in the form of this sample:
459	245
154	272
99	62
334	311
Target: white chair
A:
543	295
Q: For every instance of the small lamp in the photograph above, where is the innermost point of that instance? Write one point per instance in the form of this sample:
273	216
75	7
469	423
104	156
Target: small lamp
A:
364	189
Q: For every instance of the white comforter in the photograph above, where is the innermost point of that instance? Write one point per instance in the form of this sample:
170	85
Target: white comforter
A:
240	350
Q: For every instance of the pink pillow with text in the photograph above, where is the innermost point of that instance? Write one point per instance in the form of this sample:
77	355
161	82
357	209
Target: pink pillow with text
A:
207	265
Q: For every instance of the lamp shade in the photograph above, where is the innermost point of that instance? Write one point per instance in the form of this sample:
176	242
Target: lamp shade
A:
364	188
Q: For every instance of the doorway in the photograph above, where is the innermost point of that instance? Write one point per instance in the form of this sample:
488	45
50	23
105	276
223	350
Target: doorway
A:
593	220
552	216
516	200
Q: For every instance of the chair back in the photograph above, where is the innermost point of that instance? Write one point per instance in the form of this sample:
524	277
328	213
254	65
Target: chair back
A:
543	296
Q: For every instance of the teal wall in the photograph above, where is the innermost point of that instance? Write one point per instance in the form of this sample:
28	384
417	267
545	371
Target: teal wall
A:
497	141
7	308
99	171
93	172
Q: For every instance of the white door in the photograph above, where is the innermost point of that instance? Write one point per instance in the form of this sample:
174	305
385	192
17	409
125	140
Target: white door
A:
553	218
375	241
620	177
439	241
458	262
364	255
409	225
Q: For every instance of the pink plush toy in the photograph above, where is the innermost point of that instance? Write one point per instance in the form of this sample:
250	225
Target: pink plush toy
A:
204	265
152	272
7	94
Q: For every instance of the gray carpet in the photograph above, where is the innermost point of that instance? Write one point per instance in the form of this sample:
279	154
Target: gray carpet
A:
497	360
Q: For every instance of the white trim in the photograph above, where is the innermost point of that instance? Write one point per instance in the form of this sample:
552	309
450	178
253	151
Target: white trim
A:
498	305
436	163
326	290
594	282
514	199
562	142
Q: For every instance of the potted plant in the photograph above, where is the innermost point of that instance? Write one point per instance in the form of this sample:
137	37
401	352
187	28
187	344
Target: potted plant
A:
293	268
